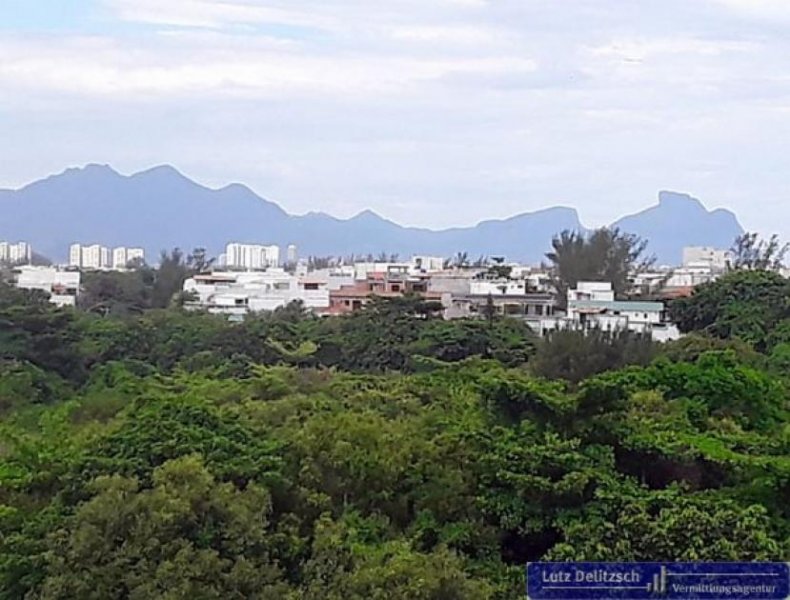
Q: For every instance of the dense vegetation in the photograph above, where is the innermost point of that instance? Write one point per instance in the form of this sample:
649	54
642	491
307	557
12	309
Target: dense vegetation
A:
389	454
601	255
753	306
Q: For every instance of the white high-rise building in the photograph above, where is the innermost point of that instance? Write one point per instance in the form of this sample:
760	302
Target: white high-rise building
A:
135	254
90	257
75	255
251	257
119	258
122	256
95	257
16	253
290	254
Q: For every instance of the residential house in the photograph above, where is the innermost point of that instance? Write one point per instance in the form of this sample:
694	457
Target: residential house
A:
237	293
63	286
591	305
393	282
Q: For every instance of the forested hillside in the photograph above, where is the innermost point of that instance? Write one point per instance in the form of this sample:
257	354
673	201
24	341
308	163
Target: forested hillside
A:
387	454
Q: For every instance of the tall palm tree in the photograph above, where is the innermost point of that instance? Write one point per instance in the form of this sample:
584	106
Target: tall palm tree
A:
462	260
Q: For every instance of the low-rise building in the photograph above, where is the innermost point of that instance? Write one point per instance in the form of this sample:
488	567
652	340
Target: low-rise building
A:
691	275
591	291
591	305
237	293
395	281
530	306
498	287
540	281
715	258
427	264
649	283
510	297
362	270
333	277
456	282
63	286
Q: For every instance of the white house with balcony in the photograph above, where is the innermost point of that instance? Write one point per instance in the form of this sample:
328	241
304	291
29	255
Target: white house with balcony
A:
591	305
63	286
333	277
591	290
427	264
691	275
236	294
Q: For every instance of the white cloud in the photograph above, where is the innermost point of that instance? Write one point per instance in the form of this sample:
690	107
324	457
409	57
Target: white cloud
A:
647	48
425	104
466	34
769	9
317	14
106	67
213	13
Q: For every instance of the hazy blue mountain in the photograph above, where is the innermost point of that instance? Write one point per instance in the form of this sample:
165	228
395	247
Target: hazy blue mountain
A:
160	208
679	220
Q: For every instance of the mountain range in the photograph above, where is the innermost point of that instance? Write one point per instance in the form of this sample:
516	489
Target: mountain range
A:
160	209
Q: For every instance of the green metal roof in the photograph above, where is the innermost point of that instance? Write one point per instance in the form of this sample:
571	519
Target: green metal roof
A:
619	305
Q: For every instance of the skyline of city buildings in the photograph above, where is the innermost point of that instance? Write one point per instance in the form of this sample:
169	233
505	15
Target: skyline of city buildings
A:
122	256
249	279
96	256
15	252
251	256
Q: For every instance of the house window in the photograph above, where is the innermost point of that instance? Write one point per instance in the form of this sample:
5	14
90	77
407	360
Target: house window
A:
395	287
310	286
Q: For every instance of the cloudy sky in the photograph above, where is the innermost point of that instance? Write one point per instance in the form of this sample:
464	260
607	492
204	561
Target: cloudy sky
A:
431	112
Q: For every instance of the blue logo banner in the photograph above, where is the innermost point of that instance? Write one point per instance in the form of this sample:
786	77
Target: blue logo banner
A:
695	581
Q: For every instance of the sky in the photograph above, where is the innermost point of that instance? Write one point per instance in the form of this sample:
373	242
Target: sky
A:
434	113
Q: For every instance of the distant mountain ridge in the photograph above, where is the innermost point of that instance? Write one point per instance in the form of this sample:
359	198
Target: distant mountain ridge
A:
679	217
160	209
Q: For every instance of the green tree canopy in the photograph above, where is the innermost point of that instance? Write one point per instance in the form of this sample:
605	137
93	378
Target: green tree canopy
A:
604	255
746	305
